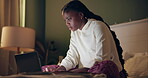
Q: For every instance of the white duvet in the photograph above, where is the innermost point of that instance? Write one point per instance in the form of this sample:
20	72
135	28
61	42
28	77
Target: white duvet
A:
137	66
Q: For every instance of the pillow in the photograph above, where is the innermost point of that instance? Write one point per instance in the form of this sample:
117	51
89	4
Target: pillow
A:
127	55
138	65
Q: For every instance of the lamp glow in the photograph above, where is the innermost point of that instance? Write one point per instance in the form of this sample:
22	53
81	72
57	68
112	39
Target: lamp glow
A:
15	38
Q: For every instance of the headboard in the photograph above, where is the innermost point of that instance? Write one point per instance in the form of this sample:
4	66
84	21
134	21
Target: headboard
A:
133	35
133	38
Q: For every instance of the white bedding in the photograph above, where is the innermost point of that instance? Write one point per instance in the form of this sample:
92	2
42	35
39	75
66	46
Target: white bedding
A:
136	66
133	37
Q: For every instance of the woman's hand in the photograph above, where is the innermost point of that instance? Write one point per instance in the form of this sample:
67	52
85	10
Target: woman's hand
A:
80	70
49	68
53	68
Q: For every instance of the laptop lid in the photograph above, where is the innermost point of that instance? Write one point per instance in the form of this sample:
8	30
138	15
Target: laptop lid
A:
28	62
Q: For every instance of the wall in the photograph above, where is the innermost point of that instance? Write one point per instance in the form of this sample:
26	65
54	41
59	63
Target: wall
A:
35	17
55	26
113	11
118	10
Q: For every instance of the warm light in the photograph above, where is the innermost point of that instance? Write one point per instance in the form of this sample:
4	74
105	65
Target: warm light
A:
16	38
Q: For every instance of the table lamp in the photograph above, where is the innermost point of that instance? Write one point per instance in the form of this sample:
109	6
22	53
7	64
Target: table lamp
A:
15	38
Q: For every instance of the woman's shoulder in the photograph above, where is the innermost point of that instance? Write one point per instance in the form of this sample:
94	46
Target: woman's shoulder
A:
97	24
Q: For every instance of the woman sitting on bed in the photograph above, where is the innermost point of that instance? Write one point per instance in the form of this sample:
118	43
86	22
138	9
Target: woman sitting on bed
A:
93	46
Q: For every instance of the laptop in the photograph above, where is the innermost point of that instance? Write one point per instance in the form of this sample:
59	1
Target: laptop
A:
28	62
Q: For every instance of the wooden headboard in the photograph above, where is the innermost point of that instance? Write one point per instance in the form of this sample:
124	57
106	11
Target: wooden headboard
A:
133	35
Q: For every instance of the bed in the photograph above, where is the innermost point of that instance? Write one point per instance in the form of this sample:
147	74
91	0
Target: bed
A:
56	75
133	38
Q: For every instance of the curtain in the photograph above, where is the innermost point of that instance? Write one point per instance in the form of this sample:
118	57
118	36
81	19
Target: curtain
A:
22	12
9	16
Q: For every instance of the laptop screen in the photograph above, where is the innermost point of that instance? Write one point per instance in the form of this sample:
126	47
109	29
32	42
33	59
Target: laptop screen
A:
28	62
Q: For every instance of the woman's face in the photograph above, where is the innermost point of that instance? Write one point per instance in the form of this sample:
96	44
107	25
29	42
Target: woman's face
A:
73	20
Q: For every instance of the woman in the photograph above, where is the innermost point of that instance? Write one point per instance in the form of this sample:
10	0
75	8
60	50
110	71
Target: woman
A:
92	42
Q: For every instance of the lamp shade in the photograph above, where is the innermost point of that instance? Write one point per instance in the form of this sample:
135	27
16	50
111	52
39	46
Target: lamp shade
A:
14	37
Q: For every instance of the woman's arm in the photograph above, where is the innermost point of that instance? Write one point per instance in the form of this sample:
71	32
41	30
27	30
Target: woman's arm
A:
72	58
103	42
80	70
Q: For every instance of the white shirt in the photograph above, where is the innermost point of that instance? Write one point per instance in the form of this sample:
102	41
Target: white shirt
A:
93	43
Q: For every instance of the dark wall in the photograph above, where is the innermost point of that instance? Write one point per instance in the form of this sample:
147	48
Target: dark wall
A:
35	17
